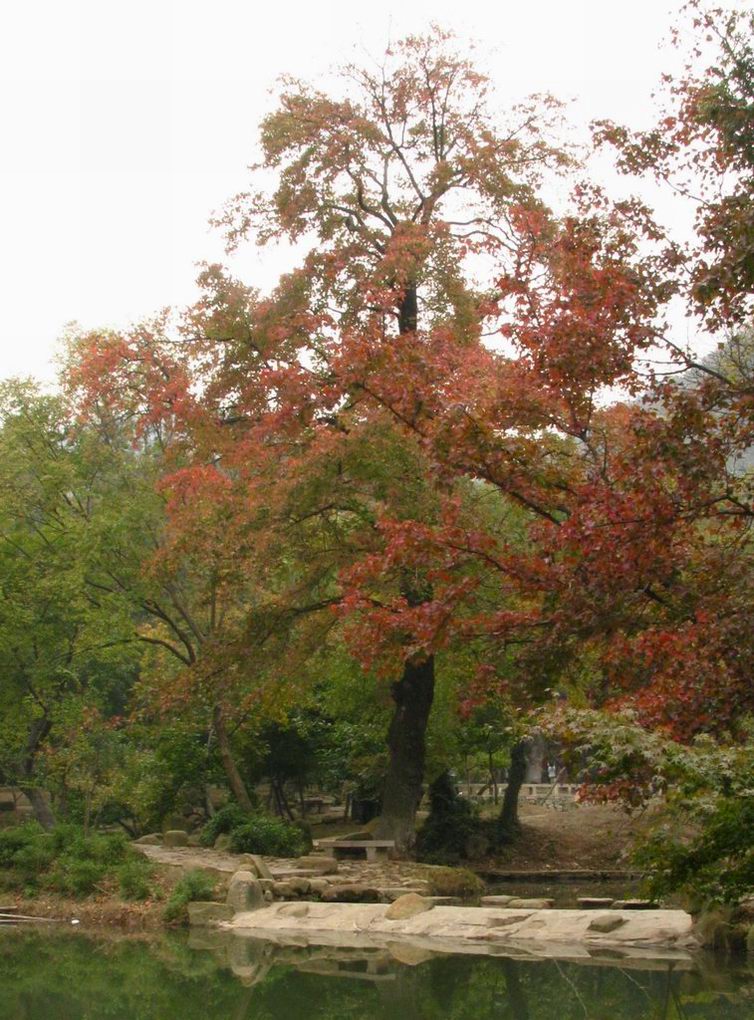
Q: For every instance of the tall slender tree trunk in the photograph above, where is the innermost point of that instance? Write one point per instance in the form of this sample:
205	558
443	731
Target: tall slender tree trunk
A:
509	823
412	696
236	783
402	791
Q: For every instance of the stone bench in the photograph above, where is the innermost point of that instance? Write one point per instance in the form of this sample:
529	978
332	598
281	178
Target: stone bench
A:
375	849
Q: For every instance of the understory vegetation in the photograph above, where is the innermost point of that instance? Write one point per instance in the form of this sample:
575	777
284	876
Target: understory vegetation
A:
65	860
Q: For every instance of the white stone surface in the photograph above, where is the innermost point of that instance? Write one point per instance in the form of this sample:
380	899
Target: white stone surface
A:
666	929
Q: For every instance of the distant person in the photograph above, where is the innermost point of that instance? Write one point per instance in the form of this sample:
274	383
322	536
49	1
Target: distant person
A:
551	772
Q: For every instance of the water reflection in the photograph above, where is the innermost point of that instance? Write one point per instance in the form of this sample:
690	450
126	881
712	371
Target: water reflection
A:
79	978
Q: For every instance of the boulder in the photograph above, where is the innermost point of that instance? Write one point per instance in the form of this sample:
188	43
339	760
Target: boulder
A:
284	890
222	842
253	862
318	886
204	912
300	886
269	896
408	905
496	901
293	909
194	840
606	923
351	894
595	902
535	904
175	837
151	839
245	893
321	865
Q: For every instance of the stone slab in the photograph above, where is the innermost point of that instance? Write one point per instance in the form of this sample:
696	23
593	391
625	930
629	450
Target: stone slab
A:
638	929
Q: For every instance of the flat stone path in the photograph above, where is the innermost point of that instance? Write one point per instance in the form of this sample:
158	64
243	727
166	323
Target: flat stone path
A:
379	874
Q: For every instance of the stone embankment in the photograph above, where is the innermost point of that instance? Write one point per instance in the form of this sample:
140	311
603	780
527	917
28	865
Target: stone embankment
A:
470	929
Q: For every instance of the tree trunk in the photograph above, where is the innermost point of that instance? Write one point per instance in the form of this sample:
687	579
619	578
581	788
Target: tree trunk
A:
38	798
509	823
412	696
402	791
41	804
236	783
408	311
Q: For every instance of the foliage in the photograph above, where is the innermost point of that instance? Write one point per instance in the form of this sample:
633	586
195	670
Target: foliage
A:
133	880
223	821
700	842
71	862
262	834
453	831
194	885
454	882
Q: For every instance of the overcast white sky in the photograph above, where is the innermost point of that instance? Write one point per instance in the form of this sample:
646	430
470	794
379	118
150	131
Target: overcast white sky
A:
124	124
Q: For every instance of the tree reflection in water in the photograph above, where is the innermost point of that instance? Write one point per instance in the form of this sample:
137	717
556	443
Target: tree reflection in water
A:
209	977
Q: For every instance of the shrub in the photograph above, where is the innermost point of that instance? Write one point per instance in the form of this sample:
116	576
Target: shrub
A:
453	831
454	882
133	880
63	859
75	877
195	885
262	834
225	820
14	839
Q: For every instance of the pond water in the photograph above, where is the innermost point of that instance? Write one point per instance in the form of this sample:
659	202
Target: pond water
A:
79	977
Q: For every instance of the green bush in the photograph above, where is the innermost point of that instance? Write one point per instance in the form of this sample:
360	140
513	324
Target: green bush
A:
224	821
262	834
14	839
75	877
453	831
66	860
134	880
195	885
454	882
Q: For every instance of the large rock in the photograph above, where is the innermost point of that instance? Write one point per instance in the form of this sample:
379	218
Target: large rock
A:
284	890
222	842
351	894
245	893
175	837
606	923
203	913
594	902
151	839
496	901
318	886
254	863
534	904
322	865
407	906
300	886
